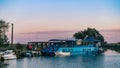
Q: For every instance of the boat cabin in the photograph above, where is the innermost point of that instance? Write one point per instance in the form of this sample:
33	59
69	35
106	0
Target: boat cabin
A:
89	41
51	43
38	46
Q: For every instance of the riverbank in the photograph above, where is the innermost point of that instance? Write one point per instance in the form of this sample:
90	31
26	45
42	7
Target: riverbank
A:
112	46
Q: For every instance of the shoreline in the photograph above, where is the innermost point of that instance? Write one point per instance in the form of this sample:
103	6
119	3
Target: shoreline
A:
112	46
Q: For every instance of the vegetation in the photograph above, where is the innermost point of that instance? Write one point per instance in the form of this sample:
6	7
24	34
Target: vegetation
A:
3	37
90	32
20	47
112	46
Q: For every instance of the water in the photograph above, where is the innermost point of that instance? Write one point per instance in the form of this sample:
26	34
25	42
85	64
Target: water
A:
109	60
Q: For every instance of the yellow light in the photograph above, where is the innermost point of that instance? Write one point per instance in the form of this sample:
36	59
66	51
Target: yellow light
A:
78	42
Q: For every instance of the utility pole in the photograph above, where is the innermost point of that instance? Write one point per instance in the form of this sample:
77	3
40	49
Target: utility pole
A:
12	34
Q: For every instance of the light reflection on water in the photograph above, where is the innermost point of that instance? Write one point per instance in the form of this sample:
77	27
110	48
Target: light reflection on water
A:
111	52
110	59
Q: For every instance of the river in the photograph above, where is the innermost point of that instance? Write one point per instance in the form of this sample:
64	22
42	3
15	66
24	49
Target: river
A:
110	59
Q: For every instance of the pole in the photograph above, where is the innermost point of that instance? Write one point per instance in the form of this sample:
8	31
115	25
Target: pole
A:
12	35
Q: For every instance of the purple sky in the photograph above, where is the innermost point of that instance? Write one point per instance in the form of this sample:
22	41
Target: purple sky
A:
58	15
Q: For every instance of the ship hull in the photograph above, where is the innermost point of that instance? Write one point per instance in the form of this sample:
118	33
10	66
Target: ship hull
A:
76	51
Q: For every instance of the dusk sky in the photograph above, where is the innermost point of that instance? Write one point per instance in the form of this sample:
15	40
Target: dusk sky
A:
60	15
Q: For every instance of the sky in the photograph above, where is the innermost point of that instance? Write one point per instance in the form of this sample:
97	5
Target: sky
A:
60	15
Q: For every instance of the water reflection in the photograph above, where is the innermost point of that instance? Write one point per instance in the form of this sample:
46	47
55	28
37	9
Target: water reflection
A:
80	61
111	52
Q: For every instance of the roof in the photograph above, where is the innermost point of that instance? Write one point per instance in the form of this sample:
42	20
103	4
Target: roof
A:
45	42
69	40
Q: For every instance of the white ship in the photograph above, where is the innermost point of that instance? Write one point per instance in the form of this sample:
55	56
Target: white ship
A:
7	55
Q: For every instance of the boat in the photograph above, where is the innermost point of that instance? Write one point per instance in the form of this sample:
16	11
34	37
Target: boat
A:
81	50
8	55
87	46
60	53
68	47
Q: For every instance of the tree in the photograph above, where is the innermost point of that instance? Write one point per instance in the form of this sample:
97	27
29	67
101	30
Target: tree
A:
19	46
90	32
3	29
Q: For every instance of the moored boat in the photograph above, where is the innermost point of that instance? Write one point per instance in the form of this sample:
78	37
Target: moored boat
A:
60	47
8	55
62	53
82	47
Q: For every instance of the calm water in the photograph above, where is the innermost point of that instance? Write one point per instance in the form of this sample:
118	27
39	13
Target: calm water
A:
111	59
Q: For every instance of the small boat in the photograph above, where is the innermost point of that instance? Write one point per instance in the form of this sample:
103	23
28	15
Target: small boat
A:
8	55
26	54
62	53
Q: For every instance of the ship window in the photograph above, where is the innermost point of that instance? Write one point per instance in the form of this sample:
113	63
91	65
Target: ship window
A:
47	43
52	49
64	50
68	50
52	44
39	43
39	46
83	49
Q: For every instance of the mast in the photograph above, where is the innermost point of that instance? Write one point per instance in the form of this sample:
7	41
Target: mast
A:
12	34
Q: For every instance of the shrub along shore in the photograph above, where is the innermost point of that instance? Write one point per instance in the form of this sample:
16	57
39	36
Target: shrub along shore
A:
112	46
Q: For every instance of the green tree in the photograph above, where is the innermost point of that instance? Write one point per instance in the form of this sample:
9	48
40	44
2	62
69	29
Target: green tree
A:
19	46
3	29
90	32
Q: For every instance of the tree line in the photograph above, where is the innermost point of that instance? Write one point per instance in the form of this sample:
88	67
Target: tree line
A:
3	37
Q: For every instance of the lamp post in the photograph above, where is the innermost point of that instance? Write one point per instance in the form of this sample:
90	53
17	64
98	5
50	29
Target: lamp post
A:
12	34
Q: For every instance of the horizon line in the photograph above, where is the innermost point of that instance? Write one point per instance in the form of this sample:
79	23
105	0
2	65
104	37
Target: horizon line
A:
54	31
